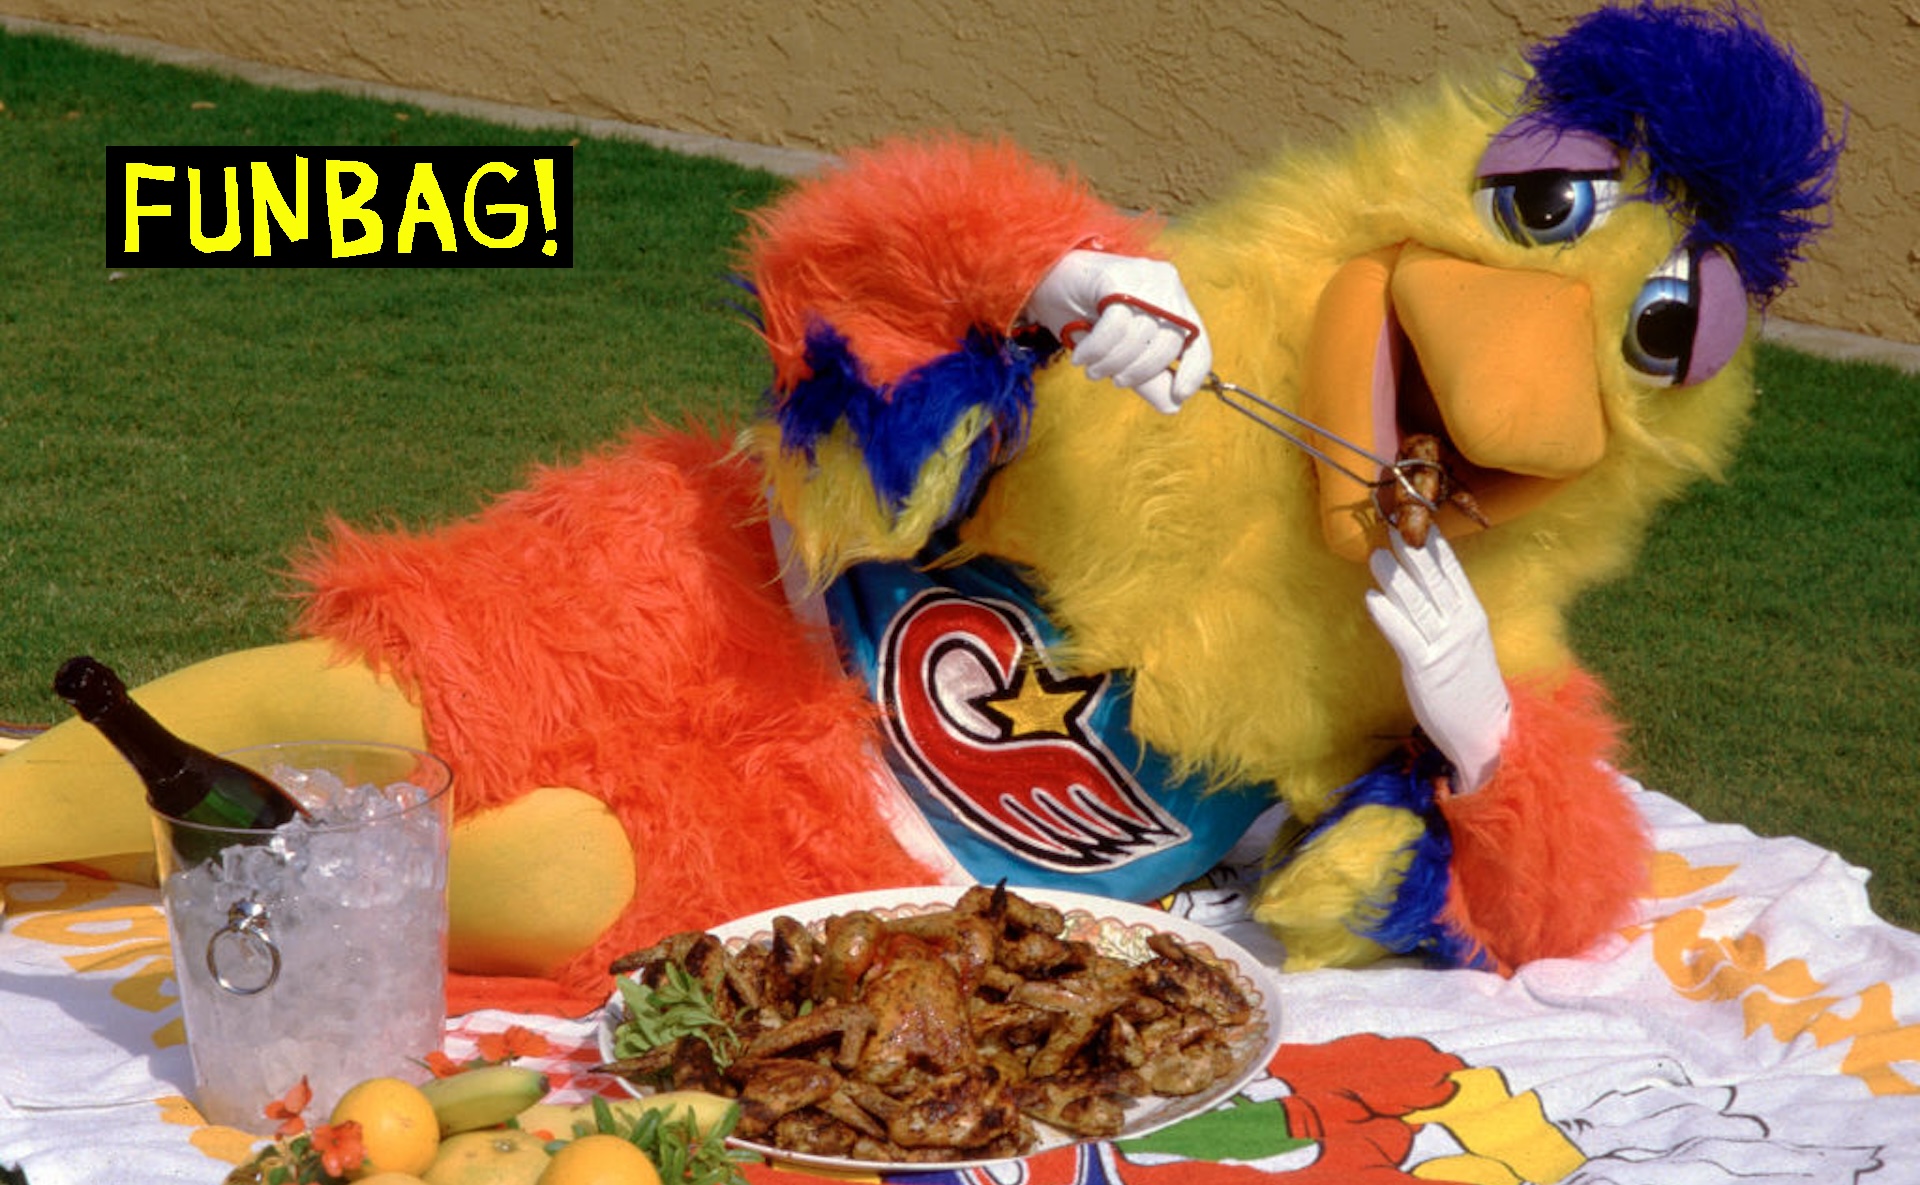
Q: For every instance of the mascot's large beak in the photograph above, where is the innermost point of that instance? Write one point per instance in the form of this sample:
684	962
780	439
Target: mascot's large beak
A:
1496	362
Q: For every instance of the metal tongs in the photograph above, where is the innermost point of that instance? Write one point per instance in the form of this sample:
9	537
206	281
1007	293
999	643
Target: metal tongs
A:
1281	422
1261	411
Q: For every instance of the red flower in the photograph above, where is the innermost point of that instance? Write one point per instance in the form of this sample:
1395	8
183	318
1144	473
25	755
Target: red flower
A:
443	1066
287	1109
339	1147
516	1041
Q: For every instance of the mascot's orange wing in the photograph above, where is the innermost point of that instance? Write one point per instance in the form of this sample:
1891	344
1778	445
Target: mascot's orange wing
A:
616	628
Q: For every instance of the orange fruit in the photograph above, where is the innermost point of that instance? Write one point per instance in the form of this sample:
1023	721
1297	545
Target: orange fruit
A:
398	1129
600	1160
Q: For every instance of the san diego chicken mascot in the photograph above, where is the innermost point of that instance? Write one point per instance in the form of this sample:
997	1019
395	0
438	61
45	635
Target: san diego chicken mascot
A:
955	609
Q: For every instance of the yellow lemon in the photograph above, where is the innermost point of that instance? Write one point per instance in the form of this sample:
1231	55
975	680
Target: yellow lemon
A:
398	1129
499	1157
392	1179
600	1160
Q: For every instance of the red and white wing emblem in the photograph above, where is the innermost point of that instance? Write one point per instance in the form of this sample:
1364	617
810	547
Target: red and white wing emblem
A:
999	738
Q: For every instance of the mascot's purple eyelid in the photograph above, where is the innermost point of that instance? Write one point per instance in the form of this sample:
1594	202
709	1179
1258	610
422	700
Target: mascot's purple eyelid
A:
1528	146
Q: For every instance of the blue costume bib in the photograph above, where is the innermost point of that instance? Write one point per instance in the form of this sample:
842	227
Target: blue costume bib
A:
1023	773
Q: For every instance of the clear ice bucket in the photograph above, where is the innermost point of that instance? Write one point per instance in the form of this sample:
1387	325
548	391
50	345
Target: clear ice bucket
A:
318	950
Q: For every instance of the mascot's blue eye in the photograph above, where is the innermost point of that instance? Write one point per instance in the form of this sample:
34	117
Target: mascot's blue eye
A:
1687	320
1660	328
1546	207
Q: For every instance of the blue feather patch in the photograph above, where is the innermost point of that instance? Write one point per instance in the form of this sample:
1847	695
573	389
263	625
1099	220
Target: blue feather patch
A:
1411	923
1732	131
898	428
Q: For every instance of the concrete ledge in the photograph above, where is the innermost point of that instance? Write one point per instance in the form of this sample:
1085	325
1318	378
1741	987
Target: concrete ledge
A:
787	162
1840	345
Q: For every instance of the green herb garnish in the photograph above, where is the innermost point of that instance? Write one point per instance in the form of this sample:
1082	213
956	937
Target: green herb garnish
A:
679	1006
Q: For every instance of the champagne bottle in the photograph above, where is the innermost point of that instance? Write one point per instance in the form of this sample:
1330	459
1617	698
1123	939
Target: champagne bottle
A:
183	781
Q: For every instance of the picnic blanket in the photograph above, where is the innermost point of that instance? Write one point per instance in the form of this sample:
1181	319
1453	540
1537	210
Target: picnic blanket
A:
1757	1023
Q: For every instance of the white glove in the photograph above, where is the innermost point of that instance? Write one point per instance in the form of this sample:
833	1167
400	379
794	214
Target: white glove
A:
1126	319
1435	623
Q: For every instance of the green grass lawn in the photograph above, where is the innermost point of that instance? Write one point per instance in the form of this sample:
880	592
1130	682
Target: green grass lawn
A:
168	437
1766	649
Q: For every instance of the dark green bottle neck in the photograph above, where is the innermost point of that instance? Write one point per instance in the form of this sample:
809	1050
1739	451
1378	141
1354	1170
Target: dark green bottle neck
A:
159	757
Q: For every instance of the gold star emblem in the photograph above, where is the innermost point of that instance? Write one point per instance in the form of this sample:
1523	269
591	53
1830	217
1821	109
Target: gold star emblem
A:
1039	703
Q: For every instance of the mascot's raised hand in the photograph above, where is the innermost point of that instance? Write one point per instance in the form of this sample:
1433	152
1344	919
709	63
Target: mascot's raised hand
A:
1426	608
1129	320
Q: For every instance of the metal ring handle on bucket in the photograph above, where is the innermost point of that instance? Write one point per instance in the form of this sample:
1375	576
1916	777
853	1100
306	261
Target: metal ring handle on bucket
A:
246	922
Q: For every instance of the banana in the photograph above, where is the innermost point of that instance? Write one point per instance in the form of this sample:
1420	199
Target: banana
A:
485	1096
67	795
560	1121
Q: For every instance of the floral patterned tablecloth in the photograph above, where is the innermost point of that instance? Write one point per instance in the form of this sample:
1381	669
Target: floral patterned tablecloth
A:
1757	1024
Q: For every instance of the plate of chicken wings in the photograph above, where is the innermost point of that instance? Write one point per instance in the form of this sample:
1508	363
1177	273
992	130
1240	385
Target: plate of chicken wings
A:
943	1028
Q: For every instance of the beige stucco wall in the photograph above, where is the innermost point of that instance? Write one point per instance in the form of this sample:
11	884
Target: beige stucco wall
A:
1156	102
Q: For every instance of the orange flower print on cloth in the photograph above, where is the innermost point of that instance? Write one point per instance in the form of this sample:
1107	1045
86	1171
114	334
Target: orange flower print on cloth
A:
1708	959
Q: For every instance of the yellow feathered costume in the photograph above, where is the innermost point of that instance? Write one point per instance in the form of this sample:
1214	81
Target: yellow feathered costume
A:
1094	639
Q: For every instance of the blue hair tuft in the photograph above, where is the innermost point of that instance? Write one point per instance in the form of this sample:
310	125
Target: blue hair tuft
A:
898	428
1731	130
